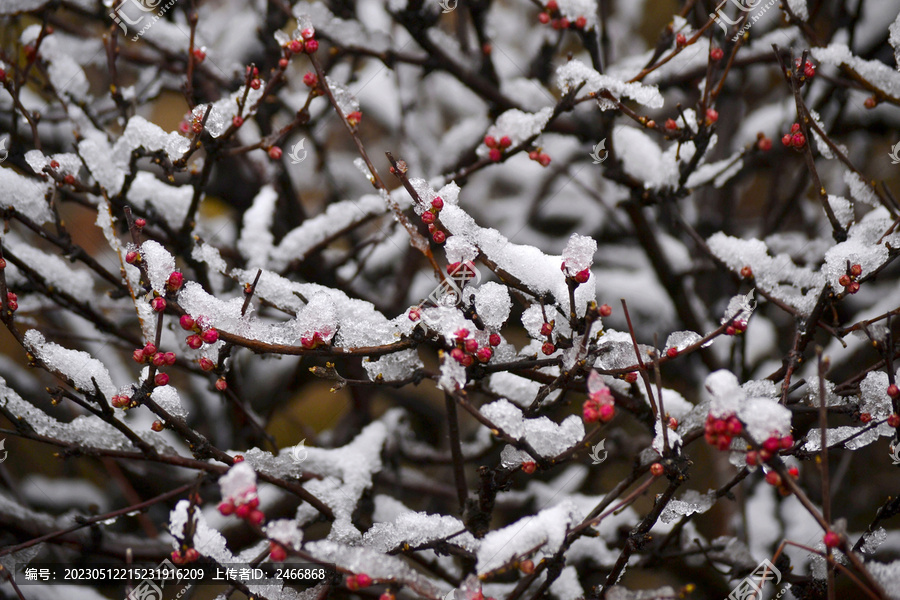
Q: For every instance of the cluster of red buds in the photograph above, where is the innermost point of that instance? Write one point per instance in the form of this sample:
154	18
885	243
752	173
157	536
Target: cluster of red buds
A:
849	279
358	581
497	146
770	448
150	354
579	277
600	405
552	16
246	508
12	301
467	350
547	330
310	341
201	334
540	157
774	479
307	43
188	556
311	80
795	138
121	401
737	327
720	431
430	216
808	70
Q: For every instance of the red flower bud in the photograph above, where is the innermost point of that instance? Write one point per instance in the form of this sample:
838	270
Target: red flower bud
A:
311	46
494	339
186	322
193	341
158	304
206	364
529	466
221	384
657	470
161	379
210	336
174	282
310	79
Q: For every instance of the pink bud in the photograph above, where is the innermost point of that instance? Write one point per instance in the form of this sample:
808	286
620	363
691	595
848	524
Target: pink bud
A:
495	340
363	580
439	237
256	516
210	336
149	349
607	412
194	341
161	379
461	333
428	217
457	355
186	322
242	511
131	257
437	203
159	359
311	46
138	356
207	364
471	345
582	276
176	279
221	384
158	304
170	358
484	354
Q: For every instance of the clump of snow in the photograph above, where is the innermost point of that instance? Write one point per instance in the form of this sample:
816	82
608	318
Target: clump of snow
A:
754	404
874	71
25	196
740	307
691	502
224	110
579	253
285	531
493	304
167	398
207	540
256	238
574	72
547	529
239	484
80	367
546	437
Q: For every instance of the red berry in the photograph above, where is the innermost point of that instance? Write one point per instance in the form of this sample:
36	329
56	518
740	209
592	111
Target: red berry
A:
495	154
277	553
255	83
140	223
844	280
729	330
186	322
176	557
752	459
870	103
716	54
798	140
773	478
787	442
210	336
131	257
672	352
161	379
194	341
580	22
527	566
53	164
680	40
671	125
544	159
735	427
242	511
505	142
221	384
256	517
832	540
546	328
724	442
794	472
282	63
494	339
656	469
310	79
199	55
170	358
457	355
311	46
238	458
548	348
175	281
428	217
809	70
746	272
529	466
484	354
274	152
795	127
237	121
605	310
461	333
437	203
439	237
157	426
295	46
552	6
207	364
865	417
158	304
893	391
589	412
467	360
226	508
893	420
544	18
138	356
490	141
